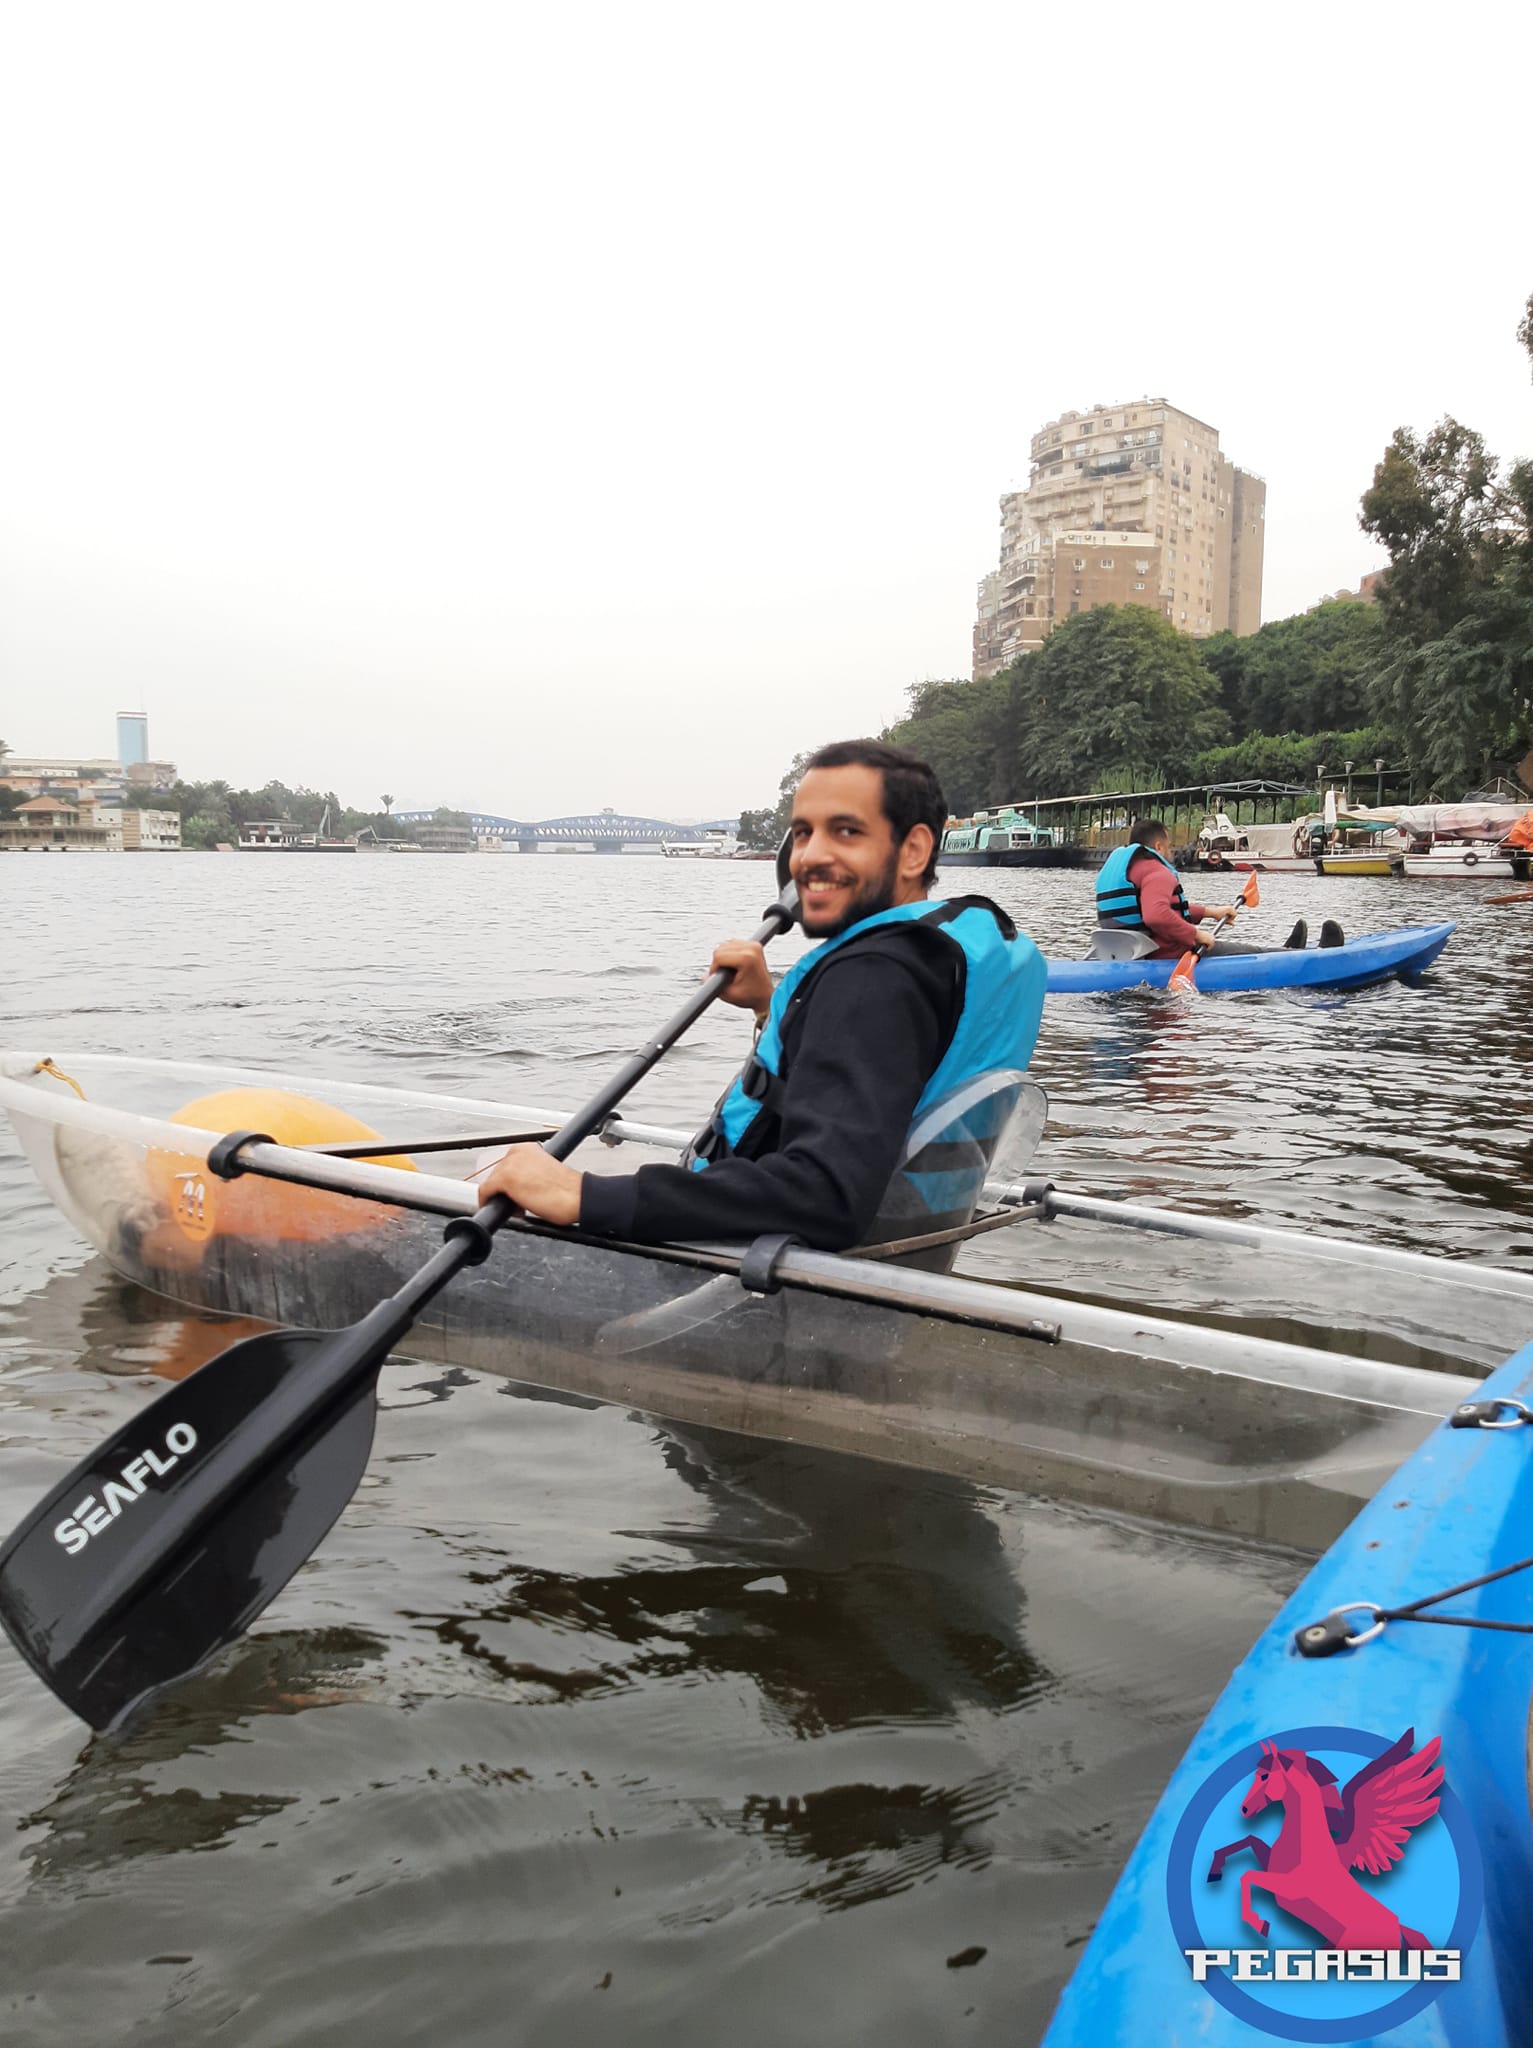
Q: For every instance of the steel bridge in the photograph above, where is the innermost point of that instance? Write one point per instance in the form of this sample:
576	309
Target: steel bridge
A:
605	831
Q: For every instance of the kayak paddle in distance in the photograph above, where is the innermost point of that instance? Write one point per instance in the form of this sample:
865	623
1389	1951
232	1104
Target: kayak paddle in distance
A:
165	1543
1183	975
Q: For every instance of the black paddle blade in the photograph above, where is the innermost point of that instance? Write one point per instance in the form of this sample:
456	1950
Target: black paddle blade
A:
140	1564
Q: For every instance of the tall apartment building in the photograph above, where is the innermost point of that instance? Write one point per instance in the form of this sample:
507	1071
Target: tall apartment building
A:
1125	504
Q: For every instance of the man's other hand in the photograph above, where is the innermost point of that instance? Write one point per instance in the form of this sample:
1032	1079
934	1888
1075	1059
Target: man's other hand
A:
750	984
542	1186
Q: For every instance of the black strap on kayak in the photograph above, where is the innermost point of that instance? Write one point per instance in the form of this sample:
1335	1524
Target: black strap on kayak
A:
1325	1638
993	1219
224	1157
380	1148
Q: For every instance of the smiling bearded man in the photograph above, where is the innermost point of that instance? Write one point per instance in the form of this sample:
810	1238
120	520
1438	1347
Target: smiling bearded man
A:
903	1001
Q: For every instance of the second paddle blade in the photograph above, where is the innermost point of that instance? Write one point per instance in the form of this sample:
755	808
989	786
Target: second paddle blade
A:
91	1593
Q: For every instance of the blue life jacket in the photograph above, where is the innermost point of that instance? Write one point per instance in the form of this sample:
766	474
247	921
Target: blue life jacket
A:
997	1026
1118	895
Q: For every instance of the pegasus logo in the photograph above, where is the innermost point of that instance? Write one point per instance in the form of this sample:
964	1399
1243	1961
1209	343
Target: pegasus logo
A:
1327	1834
1372	1846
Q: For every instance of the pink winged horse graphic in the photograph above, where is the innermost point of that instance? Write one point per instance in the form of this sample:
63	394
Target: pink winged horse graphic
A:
1327	1834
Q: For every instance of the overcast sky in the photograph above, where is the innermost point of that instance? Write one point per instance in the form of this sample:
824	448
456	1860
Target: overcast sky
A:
528	407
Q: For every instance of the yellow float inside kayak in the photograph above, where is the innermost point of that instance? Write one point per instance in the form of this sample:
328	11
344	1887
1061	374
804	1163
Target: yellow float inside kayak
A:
201	1206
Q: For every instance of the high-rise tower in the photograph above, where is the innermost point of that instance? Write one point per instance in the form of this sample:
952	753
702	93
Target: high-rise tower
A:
1125	504
132	738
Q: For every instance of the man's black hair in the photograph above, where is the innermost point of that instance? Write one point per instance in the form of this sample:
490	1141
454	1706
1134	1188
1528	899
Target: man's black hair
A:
912	793
1147	832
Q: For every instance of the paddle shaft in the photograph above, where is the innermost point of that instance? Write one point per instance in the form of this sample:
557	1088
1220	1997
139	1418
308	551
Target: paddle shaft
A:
585	1121
351	1354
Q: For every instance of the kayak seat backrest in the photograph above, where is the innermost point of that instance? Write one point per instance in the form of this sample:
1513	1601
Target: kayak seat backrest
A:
947	1160
1113	942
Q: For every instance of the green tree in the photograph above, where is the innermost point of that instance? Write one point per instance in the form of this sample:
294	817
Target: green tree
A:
1456	669
1116	687
1294	757
1299	675
965	731
766	827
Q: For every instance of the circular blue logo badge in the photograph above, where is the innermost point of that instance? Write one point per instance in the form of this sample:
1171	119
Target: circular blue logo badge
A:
1275	1821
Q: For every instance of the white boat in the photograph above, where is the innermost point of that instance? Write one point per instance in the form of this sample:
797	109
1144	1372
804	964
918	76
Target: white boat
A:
281	835
1468	840
1476	860
714	846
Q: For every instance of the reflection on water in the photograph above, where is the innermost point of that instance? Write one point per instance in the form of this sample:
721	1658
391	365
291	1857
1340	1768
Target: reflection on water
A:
580	1728
114	1805
868	1612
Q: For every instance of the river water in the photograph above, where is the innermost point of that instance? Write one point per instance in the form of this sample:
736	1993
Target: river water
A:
584	1726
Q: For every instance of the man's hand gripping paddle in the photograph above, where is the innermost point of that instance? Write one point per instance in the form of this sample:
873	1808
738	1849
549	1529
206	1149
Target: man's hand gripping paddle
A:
168	1541
1182	975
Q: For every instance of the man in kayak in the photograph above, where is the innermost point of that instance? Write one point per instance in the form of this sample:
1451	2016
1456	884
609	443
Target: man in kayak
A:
1139	890
903	1001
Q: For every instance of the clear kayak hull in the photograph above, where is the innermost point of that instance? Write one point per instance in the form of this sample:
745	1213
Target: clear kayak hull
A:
1378	957
1160	1418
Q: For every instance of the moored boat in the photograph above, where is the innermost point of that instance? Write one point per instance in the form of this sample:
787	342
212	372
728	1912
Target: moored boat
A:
1005	838
1238	1433
1359	861
713	846
1464	862
1474	840
1379	956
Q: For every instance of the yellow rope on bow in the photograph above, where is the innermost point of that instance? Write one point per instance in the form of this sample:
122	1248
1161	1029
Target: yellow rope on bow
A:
47	1067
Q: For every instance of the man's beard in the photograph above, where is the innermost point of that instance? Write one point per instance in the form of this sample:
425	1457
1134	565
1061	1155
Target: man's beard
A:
874	896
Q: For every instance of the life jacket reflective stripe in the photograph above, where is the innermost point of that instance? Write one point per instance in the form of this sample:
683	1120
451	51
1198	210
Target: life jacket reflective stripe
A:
997	1023
1118	894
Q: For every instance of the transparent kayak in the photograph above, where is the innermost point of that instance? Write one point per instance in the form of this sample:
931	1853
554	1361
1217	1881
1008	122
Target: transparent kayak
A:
1198	1426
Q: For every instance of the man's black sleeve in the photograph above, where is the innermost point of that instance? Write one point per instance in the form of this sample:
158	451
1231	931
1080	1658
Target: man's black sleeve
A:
872	1034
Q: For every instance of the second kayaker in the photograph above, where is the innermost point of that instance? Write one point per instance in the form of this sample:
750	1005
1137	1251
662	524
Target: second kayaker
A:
1138	889
904	1000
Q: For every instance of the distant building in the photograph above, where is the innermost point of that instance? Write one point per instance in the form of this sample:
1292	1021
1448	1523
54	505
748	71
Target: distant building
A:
50	824
1126	504
151	831
54	822
1367	591
39	775
108	818
132	738
434	838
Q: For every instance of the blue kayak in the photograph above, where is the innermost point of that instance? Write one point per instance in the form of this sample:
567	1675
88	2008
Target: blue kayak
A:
1396	1769
1374	958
